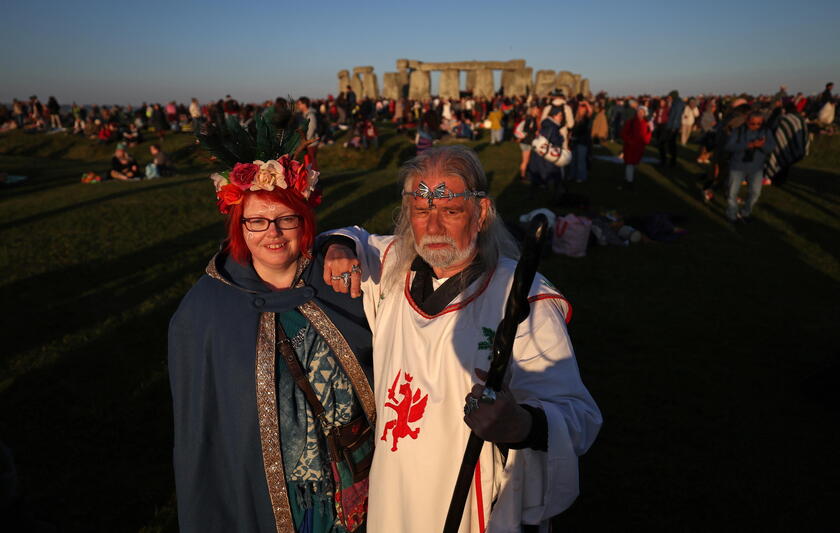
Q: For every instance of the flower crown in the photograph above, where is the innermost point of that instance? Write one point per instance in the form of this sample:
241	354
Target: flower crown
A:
282	173
269	151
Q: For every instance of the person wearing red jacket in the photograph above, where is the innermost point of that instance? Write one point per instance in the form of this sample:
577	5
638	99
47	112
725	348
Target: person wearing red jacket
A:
636	135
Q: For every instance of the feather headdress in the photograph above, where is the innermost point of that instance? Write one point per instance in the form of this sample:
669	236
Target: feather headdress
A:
261	162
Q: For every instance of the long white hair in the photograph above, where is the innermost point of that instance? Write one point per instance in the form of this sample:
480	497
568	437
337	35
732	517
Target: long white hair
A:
493	239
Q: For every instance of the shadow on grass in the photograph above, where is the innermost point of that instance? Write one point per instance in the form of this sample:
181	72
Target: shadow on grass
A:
113	287
95	429
818	233
129	191
717	411
43	174
362	207
798	195
818	182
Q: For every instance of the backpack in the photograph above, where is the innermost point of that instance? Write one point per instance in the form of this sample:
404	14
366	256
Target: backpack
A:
558	156
571	235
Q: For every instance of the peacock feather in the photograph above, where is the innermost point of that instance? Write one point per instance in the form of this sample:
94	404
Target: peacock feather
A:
230	143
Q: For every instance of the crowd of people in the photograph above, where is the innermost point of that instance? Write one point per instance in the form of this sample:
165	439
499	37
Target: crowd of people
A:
667	122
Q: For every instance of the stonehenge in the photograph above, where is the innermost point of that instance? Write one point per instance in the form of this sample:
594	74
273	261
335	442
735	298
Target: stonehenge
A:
545	82
343	80
419	84
391	86
584	87
470	81
413	80
483	83
566	82
450	81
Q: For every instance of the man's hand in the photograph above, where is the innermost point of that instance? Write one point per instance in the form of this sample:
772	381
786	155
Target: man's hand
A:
339	260
502	421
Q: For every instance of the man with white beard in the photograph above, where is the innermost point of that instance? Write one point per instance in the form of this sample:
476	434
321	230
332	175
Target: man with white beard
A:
433	294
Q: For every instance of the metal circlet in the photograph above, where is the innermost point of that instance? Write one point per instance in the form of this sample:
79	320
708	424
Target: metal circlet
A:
440	192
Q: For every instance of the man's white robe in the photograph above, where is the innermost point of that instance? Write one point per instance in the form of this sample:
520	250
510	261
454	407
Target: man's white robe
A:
424	367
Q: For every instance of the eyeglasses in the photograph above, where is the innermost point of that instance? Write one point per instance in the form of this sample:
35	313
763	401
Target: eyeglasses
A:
262	224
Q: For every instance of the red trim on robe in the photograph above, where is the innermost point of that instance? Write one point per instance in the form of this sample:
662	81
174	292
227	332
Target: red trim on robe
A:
384	256
479	497
537	297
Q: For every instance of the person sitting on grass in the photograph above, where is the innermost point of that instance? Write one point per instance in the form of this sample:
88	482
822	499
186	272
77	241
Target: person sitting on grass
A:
107	133
123	166
160	167
132	136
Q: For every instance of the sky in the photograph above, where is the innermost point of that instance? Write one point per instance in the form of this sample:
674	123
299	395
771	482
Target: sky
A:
131	52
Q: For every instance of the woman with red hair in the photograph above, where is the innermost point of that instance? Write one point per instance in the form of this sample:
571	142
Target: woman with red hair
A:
270	370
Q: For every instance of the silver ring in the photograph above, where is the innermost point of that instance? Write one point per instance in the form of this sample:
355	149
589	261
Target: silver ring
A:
344	277
355	269
488	396
471	405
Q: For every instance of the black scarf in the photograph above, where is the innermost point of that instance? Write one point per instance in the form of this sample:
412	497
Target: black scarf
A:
432	301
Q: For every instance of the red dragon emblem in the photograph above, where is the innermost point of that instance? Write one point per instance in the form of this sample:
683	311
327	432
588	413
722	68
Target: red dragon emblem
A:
409	409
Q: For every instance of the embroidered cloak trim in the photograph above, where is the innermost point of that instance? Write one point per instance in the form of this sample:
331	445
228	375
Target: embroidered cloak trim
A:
266	395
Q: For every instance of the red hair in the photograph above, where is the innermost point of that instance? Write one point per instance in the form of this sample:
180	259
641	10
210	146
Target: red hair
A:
236	245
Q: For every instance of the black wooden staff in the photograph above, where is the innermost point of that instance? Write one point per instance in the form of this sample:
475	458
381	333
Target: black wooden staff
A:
516	310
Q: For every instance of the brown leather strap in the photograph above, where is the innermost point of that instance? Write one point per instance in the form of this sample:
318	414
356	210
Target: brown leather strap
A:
341	440
297	372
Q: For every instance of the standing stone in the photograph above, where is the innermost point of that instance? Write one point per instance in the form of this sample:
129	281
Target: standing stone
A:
528	74
419	85
356	84
402	83
343	80
507	82
566	83
359	79
584	87
450	84
576	85
402	64
370	86
391	85
545	82
470	81
519	82
483	83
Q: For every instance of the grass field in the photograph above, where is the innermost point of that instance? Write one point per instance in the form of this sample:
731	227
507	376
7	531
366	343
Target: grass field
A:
714	358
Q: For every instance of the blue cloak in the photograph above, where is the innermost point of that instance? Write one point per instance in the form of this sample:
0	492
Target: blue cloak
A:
228	464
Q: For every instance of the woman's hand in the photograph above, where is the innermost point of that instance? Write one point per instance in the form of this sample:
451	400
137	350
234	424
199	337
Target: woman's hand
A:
341	265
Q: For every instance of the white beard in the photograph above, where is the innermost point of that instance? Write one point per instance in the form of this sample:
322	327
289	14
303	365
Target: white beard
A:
443	257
